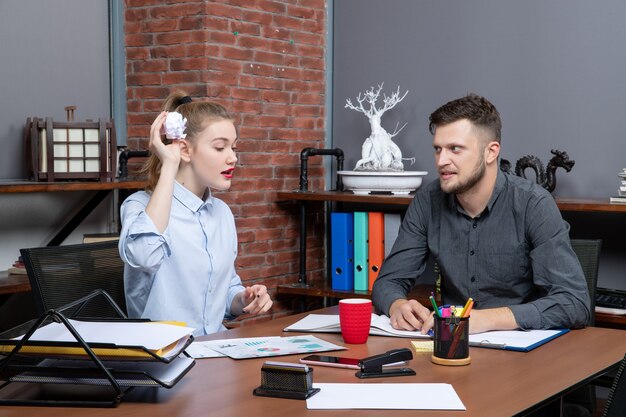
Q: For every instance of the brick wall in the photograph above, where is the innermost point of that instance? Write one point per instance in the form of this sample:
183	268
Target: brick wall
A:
264	61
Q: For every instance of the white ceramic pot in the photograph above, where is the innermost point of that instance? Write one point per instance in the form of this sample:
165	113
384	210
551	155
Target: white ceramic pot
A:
364	182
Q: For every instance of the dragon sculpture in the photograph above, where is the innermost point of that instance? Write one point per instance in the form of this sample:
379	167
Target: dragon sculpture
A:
544	177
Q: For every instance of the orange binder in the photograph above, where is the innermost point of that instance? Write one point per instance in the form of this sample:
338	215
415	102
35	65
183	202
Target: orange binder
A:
376	248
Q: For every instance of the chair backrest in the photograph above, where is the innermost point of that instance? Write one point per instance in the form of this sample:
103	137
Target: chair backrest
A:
60	275
588	253
616	401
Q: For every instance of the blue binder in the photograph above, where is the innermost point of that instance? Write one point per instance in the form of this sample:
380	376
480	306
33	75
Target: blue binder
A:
342	251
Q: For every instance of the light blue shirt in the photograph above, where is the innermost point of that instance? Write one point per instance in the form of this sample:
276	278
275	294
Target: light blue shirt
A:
188	272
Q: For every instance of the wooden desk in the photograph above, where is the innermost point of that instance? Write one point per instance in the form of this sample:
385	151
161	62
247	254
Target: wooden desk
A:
497	383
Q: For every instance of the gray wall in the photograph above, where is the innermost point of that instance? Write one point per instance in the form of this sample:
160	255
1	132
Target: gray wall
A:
52	54
556	71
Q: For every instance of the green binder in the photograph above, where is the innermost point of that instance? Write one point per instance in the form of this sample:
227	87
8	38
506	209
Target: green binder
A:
360	251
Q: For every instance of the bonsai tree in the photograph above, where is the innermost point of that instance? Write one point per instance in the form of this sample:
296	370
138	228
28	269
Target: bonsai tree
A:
379	152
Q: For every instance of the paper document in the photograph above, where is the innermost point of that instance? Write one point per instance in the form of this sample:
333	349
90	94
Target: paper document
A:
519	340
389	396
151	335
270	346
329	323
199	350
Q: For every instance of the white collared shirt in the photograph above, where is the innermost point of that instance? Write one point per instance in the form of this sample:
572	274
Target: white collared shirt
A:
188	272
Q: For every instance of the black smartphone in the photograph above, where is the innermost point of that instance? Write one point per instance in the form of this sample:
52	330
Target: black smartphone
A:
334	361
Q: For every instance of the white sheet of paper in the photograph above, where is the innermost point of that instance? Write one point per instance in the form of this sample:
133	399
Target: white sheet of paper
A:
203	349
329	323
271	346
151	335
385	396
200	350
511	338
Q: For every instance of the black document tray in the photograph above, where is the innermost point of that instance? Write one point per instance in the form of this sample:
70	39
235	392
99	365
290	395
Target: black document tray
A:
51	368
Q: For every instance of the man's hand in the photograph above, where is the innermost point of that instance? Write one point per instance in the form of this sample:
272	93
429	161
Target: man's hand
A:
256	300
501	318
410	315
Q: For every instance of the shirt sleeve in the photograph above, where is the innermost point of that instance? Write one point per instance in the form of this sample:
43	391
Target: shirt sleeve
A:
407	259
141	244
236	286
556	272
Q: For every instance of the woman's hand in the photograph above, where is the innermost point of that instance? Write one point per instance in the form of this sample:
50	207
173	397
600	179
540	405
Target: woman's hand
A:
167	154
256	300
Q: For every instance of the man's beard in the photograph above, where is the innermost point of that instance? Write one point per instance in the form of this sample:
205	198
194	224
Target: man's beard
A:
477	174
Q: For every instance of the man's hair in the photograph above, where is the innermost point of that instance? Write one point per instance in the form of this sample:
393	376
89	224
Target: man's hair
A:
478	110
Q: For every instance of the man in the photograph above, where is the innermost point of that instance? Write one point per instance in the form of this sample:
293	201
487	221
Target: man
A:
497	238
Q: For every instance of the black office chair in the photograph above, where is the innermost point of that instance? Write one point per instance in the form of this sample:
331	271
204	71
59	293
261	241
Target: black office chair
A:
60	275
616	402
588	253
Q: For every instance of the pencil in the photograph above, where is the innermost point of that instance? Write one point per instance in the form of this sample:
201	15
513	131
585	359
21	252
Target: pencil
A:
467	310
467	306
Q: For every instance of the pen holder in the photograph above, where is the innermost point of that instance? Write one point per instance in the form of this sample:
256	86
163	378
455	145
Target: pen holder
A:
285	380
451	341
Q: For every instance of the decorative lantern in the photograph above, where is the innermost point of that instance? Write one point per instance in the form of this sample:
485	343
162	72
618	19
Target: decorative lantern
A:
70	150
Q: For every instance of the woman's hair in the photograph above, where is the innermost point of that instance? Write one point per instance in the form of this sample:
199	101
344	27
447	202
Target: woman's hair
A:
198	114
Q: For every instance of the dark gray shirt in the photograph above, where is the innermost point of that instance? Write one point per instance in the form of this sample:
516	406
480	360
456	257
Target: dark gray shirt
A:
516	253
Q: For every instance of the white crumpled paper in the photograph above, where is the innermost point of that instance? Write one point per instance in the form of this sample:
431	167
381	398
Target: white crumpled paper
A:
175	125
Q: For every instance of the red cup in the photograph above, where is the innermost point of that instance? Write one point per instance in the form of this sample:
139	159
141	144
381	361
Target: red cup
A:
355	317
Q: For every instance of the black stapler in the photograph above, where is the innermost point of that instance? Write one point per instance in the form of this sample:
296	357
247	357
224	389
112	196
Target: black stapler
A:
372	367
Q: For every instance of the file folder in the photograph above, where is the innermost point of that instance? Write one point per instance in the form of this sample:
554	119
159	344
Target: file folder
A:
111	339
376	249
361	282
392	226
342	251
517	340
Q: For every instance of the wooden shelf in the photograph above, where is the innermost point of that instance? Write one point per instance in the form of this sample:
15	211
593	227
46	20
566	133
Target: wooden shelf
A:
345	196
611	320
12	283
564	204
18	186
325	291
587	204
99	190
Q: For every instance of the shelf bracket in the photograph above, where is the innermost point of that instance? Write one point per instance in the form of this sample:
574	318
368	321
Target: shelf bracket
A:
304	185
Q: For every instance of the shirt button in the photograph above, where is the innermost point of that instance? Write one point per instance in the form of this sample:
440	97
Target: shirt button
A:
473	279
474	225
472	252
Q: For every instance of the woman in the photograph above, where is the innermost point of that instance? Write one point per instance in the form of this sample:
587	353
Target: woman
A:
178	242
